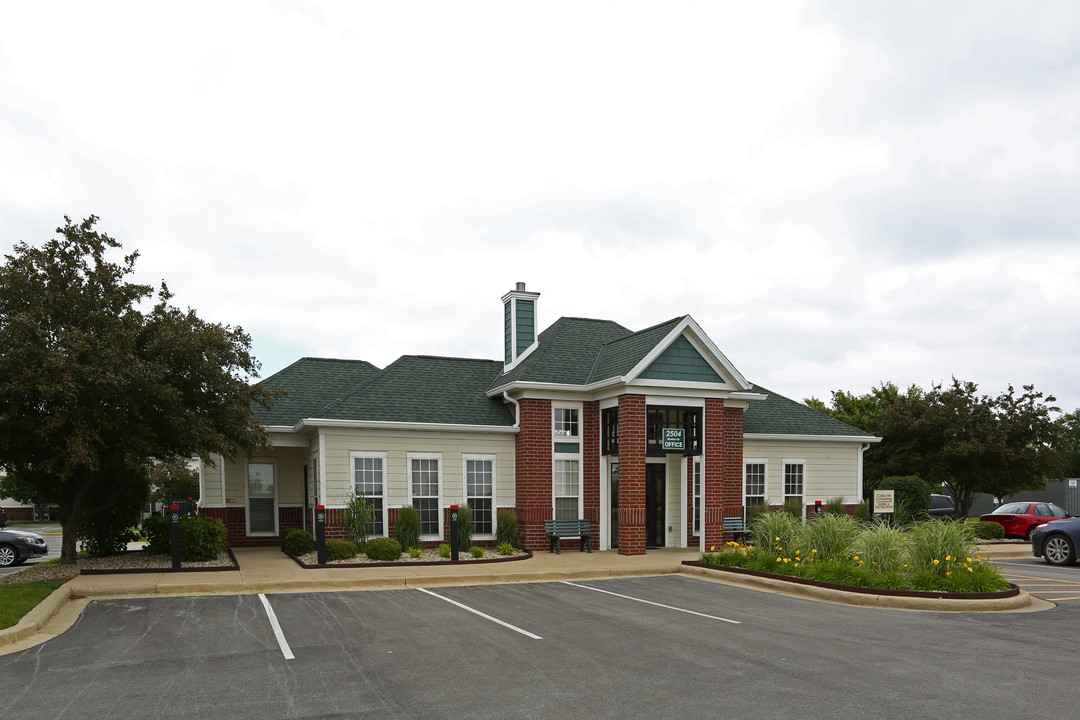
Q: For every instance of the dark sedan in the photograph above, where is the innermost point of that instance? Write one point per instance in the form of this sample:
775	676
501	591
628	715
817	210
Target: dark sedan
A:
1056	541
18	546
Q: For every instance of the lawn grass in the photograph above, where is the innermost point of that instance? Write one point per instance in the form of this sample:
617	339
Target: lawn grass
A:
20	598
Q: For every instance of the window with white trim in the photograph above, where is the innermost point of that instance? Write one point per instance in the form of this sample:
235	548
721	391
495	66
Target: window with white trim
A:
754	483
369	483
425	485
565	422
480	493
794	477
697	496
566	489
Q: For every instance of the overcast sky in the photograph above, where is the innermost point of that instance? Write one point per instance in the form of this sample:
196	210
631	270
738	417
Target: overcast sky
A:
839	193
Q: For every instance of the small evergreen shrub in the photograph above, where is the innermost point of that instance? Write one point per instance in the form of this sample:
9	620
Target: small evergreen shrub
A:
476	551
407	528
506	548
415	552
506	529
297	541
357	518
337	549
464	527
157	533
201	538
912	496
444	550
862	512
988	530
383	549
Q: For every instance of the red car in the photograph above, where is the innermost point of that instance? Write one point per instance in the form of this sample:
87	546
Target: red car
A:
1021	518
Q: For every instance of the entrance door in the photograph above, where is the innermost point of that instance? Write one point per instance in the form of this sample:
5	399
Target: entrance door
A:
655	518
615	505
262	499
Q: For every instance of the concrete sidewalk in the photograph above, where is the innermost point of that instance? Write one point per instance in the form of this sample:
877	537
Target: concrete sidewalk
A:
268	570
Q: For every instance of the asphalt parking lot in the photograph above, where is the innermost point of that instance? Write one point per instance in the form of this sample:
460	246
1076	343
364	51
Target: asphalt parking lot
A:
660	647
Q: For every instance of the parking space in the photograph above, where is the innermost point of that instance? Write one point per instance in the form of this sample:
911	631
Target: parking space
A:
664	646
1045	581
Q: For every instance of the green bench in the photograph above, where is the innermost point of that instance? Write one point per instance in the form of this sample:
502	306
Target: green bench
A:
735	526
558	529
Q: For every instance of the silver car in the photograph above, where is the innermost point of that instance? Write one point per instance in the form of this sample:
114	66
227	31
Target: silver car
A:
18	546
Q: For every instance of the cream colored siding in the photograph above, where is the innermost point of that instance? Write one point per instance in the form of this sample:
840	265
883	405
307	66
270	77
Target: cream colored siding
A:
210	483
289	479
397	445
831	468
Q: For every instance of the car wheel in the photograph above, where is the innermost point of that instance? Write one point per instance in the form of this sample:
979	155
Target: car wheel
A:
1059	550
8	556
1027	535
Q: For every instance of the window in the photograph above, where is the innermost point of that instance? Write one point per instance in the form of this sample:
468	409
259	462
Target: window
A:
262	498
368	483
754	483
697	496
566	490
424	487
609	419
480	493
566	422
794	475
658	418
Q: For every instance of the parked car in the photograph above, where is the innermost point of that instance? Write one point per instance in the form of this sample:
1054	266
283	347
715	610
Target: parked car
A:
941	507
1056	541
18	546
1021	518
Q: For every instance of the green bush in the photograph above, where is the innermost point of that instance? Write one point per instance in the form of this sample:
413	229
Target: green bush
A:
752	511
476	551
506	530
108	532
444	550
988	530
337	549
201	538
767	527
934	546
795	508
297	541
862	512
835	506
415	552
883	547
831	536
407	528
357	518
911	494
383	549
464	528
506	548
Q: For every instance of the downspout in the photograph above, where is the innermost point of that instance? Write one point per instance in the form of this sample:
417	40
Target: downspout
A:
863	448
517	408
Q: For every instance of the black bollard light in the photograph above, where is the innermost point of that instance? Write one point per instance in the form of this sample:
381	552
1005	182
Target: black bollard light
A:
174	529
320	533
454	533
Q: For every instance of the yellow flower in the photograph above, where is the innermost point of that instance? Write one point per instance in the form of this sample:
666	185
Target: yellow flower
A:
905	564
813	552
856	557
948	573
796	564
936	562
777	538
796	552
712	549
969	559
970	570
948	558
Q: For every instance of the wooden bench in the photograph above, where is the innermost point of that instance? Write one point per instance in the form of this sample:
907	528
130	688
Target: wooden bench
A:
735	526
558	529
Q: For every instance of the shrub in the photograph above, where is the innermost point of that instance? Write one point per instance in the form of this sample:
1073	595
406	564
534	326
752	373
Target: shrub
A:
835	506
337	549
506	548
464	527
407	528
108	532
415	552
883	547
444	550
912	495
830	535
767	527
357	518
201	538
506	530
753	511
862	512
933	545
297	541
988	530
157	533
383	549
476	551
795	508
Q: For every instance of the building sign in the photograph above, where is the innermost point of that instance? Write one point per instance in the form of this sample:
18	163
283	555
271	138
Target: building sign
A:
674	439
884	501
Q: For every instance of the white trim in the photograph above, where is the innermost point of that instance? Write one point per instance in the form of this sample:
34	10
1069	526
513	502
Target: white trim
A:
320	460
578	408
481	457
819	438
364	454
409	457
376	424
272	462
765	485
683	514
705	347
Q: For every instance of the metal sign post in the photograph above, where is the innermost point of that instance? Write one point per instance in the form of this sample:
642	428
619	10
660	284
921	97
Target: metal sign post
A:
454	533
320	533
174	529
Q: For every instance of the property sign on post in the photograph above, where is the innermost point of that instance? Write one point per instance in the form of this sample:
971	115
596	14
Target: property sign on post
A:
884	501
674	439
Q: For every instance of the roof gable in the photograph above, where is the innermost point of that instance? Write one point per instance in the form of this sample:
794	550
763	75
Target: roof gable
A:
681	361
310	383
565	353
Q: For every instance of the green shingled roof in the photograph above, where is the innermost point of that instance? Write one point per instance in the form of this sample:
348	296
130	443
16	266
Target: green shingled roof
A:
619	357
566	353
423	389
311	383
779	415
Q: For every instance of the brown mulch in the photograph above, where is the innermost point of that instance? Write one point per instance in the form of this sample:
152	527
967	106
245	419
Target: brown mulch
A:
129	561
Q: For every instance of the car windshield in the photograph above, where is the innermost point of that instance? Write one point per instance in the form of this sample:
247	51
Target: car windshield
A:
1058	512
1011	508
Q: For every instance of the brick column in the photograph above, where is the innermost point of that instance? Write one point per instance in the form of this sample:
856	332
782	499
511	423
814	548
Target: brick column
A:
590	461
532	465
723	468
631	474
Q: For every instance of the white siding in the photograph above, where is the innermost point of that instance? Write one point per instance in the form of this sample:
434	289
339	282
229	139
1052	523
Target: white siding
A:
832	468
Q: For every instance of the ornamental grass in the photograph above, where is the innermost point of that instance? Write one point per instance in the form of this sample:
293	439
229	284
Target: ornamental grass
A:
927	556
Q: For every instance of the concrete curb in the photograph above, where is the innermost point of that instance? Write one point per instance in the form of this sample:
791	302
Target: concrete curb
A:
1016	603
37	618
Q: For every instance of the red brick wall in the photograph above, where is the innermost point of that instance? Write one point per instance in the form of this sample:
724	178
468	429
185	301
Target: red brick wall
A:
631	474
723	467
533	470
590	460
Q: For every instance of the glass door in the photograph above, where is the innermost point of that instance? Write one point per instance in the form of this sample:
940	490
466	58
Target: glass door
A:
655	518
262	499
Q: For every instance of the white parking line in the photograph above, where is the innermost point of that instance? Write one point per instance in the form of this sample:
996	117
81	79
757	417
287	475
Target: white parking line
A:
285	650
483	615
650	602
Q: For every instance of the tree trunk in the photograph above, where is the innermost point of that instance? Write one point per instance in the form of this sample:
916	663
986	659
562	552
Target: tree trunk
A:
70	521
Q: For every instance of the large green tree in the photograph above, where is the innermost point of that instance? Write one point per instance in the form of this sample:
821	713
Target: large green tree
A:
1070	445
100	377
971	443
